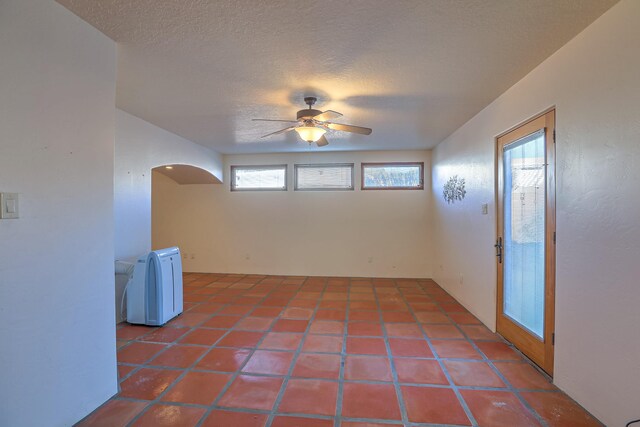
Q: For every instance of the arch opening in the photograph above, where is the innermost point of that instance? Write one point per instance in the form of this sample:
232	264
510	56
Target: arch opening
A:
187	174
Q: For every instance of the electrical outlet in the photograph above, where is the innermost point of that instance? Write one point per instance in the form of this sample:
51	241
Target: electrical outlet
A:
461	279
485	209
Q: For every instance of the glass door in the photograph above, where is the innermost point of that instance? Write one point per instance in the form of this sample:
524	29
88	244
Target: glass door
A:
526	238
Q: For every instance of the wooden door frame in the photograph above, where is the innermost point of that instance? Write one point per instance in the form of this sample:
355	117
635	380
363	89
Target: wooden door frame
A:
525	342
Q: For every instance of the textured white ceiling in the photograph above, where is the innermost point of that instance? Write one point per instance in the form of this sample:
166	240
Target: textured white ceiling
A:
413	70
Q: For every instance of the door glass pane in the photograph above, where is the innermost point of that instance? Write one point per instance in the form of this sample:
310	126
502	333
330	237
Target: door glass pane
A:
524	231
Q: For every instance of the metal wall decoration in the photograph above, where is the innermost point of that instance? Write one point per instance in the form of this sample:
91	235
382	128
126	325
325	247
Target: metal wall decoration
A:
454	189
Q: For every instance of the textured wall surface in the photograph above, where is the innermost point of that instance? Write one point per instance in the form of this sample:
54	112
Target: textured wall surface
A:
340	233
140	147
593	82
57	94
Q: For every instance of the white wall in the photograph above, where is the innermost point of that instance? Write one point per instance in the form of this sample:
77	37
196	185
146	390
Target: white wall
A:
141	146
297	232
57	95
594	83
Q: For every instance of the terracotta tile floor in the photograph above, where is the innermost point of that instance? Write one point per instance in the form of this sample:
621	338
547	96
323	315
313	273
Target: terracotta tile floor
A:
325	352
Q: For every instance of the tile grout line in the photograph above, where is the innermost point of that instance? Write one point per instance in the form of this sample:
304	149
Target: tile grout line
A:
400	290
296	354
238	372
516	392
167	345
193	369
174	342
454	387
485	359
343	360
188	369
180	377
372	382
496	371
385	336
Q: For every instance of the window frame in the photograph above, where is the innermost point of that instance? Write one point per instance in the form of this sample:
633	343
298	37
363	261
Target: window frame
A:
318	165
232	175
363	166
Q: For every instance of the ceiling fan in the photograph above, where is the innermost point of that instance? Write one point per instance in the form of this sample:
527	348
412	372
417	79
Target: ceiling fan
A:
312	124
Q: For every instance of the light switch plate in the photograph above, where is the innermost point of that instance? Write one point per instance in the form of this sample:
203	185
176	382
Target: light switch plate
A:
9	206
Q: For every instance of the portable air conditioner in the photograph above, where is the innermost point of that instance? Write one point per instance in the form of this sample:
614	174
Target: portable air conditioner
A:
154	294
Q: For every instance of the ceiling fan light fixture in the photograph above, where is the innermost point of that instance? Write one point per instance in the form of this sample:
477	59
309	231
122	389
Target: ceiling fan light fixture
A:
311	124
310	133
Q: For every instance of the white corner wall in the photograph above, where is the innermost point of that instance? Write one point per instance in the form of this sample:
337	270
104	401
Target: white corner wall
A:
139	147
338	233
57	97
594	83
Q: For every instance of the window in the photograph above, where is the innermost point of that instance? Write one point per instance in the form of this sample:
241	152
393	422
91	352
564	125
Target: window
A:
332	176
393	176
259	178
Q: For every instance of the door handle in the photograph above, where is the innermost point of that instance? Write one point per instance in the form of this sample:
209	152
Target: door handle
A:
498	247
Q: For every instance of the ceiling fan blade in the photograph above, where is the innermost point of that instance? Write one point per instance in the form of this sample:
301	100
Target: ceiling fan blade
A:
322	141
273	120
279	131
327	115
349	128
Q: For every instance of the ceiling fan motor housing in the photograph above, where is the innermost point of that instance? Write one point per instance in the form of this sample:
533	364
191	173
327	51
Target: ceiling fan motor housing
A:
307	114
312	124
